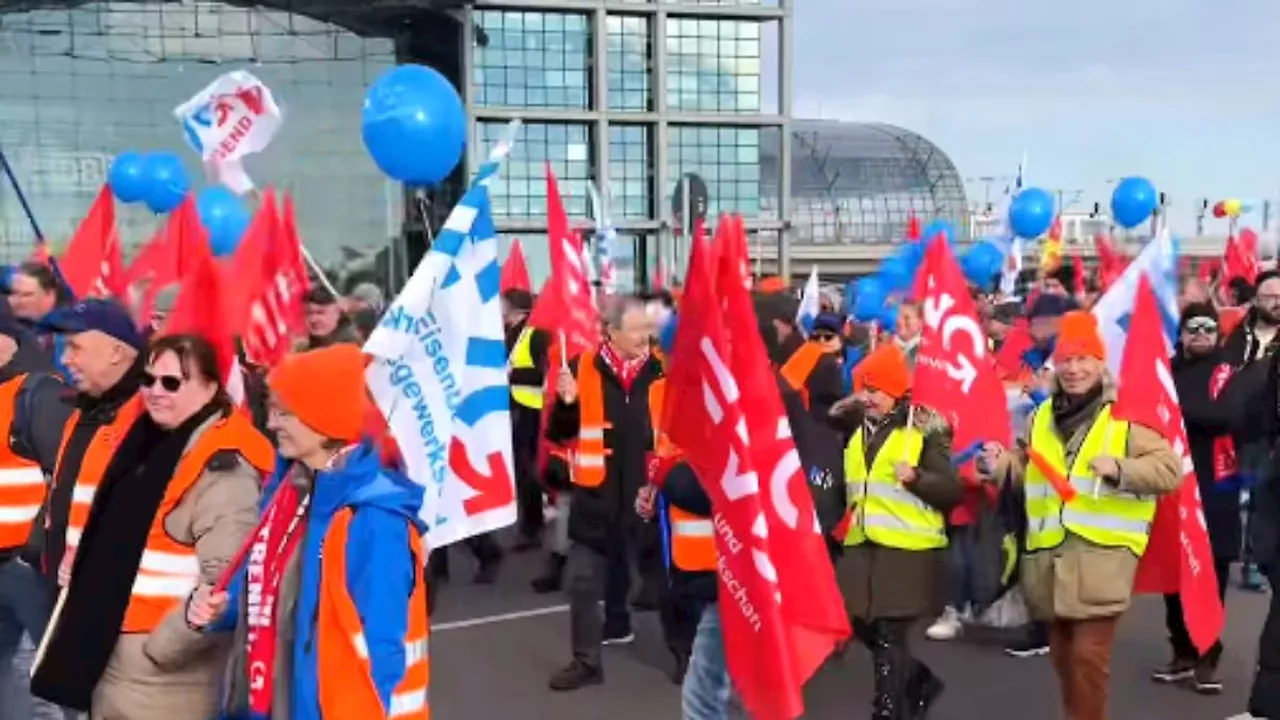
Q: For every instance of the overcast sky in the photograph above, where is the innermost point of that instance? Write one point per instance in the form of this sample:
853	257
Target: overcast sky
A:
1186	92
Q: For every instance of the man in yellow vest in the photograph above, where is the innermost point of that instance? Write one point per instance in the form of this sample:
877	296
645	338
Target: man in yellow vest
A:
1091	484
527	349
33	412
900	486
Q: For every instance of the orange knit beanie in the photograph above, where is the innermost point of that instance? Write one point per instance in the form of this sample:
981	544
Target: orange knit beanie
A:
324	389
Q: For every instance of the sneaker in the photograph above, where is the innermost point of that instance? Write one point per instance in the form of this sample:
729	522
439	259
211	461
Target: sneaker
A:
946	627
618	636
1206	680
577	675
1176	671
1253	580
1027	648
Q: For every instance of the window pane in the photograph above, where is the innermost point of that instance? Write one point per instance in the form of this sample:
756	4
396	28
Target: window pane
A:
533	59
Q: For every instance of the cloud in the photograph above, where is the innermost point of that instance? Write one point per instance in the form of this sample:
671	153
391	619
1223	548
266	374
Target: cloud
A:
1094	89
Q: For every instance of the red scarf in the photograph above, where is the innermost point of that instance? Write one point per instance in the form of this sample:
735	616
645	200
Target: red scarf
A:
1224	448
275	541
625	370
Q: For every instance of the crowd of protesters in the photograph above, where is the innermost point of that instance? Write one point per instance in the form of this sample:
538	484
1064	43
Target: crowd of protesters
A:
158	576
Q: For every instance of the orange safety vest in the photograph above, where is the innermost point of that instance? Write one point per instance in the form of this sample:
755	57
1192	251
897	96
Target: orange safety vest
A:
693	541
799	367
346	677
170	570
22	483
589	461
102	446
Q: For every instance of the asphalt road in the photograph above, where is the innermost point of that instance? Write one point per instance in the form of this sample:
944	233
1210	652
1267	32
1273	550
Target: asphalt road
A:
494	647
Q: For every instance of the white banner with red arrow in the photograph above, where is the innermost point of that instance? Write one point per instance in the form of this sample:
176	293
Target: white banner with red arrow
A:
440	374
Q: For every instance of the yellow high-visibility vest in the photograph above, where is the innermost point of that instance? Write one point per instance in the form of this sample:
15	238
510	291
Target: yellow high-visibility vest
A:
521	358
884	512
1115	519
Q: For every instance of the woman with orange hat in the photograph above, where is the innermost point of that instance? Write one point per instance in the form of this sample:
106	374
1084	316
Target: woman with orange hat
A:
900	486
329	610
1091	482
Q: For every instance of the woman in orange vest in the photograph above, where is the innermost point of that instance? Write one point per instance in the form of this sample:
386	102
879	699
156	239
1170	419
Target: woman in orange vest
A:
330	609
177	499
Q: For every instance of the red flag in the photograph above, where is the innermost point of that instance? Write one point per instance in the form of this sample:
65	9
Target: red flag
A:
271	280
515	271
1179	558
707	428
1111	264
91	264
565	304
812	606
200	310
955	374
913	227
565	307
1017	342
1238	261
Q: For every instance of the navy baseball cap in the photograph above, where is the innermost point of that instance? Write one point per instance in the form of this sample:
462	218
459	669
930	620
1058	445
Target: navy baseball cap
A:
105	316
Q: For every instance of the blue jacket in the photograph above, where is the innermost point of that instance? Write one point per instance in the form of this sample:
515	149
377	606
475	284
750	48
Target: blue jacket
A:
381	574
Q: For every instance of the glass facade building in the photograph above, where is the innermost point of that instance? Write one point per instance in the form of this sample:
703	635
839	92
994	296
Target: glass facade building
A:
80	84
630	96
627	94
860	183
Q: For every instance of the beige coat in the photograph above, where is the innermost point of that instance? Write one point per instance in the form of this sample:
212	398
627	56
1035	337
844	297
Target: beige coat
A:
176	672
1079	580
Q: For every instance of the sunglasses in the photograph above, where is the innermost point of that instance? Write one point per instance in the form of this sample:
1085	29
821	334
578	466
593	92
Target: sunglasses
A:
1201	327
824	337
170	383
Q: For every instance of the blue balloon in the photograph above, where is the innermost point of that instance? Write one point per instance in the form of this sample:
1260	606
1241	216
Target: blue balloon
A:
223	216
414	125
167	182
942	227
1133	201
127	177
1031	213
896	273
982	264
869	299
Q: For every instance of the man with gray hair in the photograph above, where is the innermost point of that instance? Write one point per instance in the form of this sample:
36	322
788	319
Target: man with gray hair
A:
607	400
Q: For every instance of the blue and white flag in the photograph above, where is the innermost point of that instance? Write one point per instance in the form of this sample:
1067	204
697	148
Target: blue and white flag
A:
1013	259
810	304
1159	262
606	238
440	373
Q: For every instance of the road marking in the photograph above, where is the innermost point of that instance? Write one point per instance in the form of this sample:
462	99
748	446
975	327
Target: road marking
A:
504	617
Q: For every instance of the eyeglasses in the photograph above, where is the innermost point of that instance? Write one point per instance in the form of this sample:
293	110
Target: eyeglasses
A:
170	383
1200	326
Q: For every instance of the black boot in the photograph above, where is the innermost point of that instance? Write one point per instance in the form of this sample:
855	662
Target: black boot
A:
925	690
893	670
553	578
681	666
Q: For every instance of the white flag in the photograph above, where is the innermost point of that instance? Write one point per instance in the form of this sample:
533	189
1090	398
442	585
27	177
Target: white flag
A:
233	117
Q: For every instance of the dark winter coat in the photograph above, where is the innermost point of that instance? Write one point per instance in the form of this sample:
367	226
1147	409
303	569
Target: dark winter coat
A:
1251	403
1242	344
606	514
821	451
1205	422
881	582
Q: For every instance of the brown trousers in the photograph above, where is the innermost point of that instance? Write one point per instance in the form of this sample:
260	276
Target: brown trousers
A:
1081	651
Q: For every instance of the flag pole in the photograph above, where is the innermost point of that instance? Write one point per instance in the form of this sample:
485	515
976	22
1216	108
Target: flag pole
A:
31	218
22	197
